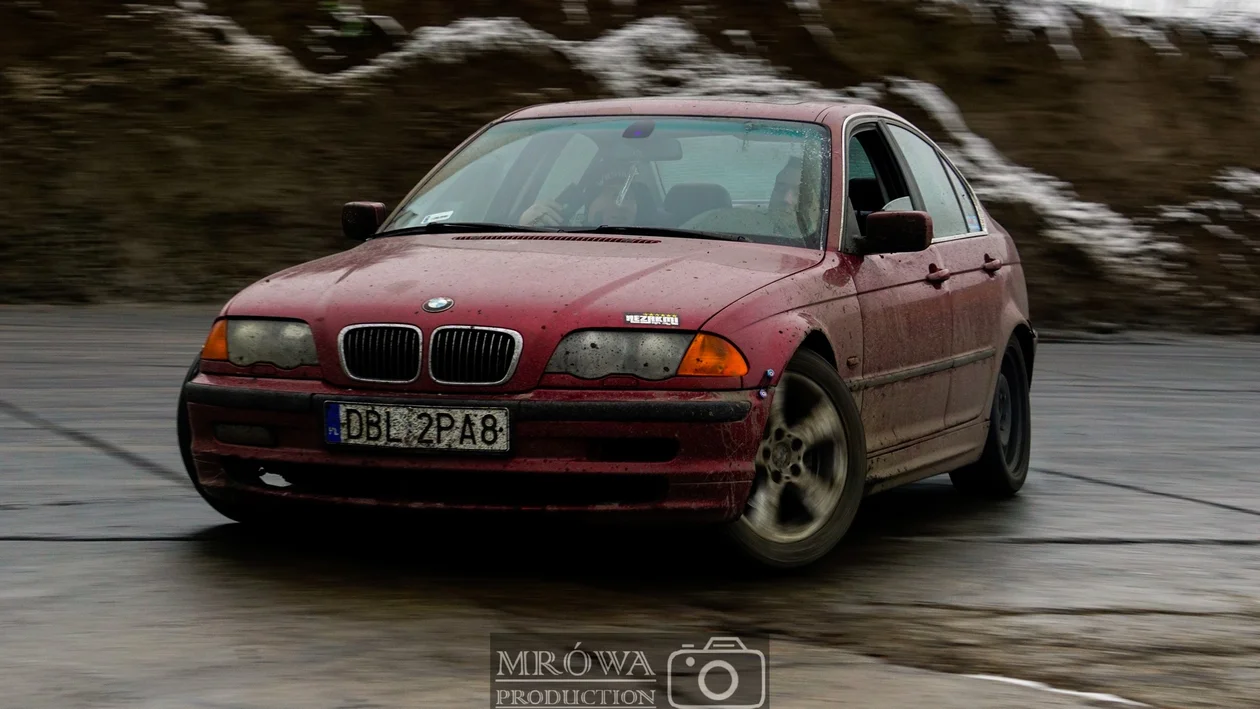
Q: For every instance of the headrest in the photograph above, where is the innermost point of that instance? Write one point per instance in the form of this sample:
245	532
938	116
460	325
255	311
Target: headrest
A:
689	199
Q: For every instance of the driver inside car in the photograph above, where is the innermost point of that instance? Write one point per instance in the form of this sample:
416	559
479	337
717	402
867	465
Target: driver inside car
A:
614	203
785	200
786	193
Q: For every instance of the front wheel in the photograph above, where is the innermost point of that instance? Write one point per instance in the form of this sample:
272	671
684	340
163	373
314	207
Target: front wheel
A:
810	469
1003	467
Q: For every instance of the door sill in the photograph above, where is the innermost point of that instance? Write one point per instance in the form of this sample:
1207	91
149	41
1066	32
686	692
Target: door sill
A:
940	453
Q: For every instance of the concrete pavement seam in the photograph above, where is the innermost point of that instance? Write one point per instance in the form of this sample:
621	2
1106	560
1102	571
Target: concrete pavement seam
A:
996	612
1083	541
91	441
1148	491
13	506
38	538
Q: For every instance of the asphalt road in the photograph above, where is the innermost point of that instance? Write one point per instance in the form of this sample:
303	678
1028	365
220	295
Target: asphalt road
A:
1129	566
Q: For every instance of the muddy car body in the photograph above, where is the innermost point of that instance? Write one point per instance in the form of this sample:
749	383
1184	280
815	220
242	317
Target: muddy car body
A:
808	305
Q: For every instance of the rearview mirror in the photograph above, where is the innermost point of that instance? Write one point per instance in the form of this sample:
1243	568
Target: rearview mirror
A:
360	220
895	233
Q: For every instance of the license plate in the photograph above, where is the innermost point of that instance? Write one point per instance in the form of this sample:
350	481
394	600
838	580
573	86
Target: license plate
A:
423	427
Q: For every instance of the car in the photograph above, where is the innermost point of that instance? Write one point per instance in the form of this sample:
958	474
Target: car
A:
744	314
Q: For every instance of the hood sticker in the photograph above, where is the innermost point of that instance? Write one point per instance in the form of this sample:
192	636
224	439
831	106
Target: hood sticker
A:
670	319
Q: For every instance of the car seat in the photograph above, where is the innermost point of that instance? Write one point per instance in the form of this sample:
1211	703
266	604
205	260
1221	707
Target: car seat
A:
685	201
647	212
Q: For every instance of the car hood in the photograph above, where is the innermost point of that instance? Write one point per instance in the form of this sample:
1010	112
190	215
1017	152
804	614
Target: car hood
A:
500	281
540	285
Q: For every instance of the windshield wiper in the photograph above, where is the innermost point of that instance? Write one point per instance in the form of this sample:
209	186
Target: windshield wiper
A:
656	231
466	227
440	227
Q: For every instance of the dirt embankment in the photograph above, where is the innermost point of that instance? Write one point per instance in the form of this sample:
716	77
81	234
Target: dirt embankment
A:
170	152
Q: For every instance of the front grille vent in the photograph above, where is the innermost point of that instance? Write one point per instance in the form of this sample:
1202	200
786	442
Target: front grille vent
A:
381	353
473	355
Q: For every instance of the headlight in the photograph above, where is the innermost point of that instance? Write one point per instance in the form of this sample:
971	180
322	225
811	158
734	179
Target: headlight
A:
594	354
284	343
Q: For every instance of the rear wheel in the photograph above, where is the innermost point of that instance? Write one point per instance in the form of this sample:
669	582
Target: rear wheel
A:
1003	467
810	469
236	512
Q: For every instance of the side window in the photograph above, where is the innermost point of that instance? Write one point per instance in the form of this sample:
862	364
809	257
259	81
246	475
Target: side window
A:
939	198
875	182
860	167
966	199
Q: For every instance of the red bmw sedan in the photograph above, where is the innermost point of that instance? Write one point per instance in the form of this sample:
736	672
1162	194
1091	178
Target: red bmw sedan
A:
739	313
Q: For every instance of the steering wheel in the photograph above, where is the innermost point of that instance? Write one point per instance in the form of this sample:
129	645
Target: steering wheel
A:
570	201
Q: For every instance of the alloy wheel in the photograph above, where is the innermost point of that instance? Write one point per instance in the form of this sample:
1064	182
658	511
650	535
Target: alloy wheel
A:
801	466
1008	417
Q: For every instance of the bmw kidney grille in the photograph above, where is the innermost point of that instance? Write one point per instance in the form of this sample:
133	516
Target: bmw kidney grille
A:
473	355
381	353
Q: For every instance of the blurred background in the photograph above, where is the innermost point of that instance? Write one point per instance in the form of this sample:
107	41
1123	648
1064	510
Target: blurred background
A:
156	157
176	151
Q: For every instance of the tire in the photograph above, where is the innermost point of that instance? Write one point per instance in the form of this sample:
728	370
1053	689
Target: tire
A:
1003	466
237	512
804	497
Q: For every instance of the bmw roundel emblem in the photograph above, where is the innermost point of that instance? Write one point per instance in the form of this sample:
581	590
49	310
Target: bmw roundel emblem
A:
437	305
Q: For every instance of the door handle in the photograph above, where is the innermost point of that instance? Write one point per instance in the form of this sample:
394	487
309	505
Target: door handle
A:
937	275
992	264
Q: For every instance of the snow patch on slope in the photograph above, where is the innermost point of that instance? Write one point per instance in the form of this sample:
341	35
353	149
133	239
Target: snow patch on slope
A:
810	13
1240	180
1057	21
667	56
1196	11
1215	216
1147	20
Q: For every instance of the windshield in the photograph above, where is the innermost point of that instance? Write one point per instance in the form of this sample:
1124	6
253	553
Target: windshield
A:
759	179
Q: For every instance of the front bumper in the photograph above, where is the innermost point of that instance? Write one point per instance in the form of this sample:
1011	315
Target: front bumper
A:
670	453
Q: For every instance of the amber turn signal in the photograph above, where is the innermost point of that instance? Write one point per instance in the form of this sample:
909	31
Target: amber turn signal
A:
216	343
712	356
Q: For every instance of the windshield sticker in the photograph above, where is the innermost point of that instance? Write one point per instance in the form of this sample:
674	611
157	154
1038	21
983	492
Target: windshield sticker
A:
670	319
973	223
437	217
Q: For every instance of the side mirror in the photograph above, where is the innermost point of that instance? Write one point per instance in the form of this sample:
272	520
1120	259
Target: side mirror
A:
360	220
896	233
